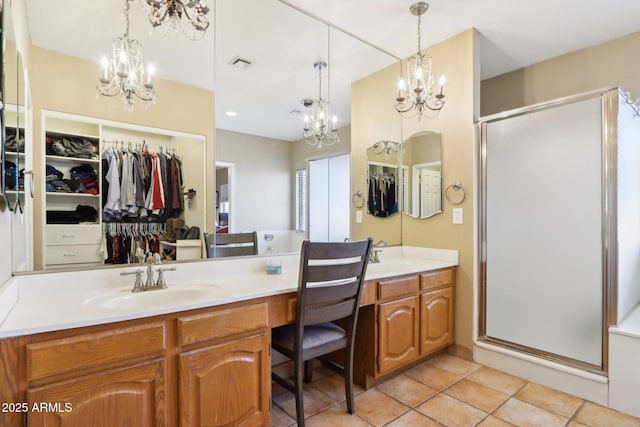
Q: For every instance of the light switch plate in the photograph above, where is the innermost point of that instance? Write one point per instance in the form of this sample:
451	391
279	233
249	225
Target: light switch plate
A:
457	216
358	217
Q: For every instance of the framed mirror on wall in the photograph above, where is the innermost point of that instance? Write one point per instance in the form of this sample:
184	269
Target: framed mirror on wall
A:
383	179
422	175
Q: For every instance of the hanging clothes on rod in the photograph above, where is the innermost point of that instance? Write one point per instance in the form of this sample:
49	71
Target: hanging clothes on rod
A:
382	200
124	242
140	181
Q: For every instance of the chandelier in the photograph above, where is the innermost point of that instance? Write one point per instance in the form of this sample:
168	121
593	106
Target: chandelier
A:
188	16
416	92
317	130
124	74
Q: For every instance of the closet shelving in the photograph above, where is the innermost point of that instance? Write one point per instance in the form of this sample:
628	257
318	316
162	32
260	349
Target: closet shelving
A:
83	244
70	244
66	163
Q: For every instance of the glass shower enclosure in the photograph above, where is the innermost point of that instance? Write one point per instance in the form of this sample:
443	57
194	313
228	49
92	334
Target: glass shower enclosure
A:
556	268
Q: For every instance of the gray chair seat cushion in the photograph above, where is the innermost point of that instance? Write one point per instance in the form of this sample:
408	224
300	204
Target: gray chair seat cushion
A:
314	335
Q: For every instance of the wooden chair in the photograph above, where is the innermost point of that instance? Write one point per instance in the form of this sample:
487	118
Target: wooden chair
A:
231	244
329	286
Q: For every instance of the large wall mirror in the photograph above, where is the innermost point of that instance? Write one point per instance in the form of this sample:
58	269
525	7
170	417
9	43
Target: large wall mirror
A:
263	72
17	161
66	109
260	153
12	112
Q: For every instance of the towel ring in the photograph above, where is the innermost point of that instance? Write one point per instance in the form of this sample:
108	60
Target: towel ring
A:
456	186
357	199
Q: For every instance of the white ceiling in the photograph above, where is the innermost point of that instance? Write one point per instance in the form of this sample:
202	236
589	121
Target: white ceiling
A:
283	43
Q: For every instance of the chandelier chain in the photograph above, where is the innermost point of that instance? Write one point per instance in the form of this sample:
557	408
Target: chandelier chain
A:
319	128
126	19
419	36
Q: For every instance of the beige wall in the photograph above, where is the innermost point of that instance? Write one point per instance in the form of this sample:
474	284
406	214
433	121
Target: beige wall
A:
67	84
303	152
373	119
610	64
263	177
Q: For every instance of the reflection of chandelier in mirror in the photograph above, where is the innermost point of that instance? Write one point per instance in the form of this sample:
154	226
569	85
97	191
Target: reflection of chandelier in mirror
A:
124	73
386	147
317	130
417	90
188	16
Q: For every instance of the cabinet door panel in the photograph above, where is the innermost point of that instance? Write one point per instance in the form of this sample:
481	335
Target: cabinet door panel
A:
437	320
226	384
398	333
123	397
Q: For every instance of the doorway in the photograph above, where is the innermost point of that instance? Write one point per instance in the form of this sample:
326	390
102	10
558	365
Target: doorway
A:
329	198
225	200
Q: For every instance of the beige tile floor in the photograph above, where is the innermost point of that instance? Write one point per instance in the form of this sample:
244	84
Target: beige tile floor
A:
446	391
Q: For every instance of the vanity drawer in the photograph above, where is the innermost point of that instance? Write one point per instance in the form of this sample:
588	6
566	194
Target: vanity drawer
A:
76	234
73	254
202	327
55	357
436	279
397	286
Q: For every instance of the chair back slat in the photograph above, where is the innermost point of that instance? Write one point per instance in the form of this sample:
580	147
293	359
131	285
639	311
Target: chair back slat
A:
231	244
329	313
331	294
326	273
332	250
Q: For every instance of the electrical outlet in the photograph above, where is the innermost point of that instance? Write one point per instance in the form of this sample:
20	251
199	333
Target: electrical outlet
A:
358	217
457	216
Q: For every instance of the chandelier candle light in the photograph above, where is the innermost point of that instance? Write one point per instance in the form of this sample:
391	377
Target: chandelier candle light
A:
317	130
190	16
124	74
416	92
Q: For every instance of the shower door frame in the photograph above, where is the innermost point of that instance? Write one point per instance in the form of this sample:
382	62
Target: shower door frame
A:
609	103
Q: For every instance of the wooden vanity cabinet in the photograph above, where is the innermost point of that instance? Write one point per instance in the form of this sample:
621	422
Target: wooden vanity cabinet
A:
413	317
398	322
101	379
205	367
227	382
131	396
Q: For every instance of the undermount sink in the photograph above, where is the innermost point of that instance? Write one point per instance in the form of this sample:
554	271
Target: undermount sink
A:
173	295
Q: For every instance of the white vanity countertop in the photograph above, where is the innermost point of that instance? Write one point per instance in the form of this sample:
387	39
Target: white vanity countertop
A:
61	300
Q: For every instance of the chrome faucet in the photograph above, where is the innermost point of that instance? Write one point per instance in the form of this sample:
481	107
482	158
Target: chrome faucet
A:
374	255
151	259
149	285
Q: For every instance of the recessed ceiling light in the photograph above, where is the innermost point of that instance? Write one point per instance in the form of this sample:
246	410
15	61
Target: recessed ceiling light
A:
231	113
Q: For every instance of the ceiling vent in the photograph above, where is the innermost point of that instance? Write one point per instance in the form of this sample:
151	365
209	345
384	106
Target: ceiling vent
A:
241	63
